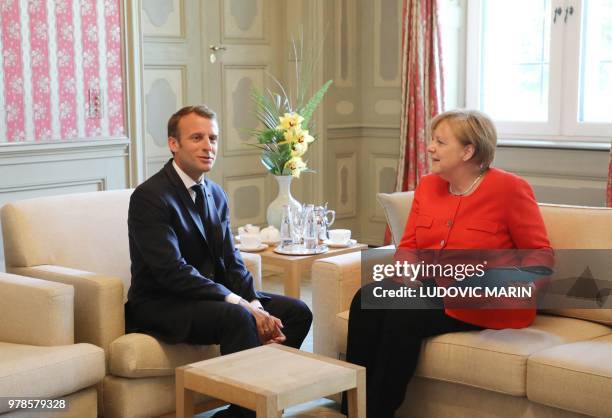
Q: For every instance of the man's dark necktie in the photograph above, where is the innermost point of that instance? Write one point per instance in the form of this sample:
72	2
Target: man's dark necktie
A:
213	231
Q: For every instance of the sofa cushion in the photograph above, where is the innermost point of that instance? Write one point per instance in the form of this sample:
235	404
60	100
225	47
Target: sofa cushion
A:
140	355
576	376
469	357
48	372
396	207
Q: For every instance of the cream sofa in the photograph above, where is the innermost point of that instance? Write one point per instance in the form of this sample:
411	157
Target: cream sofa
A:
38	357
560	366
82	240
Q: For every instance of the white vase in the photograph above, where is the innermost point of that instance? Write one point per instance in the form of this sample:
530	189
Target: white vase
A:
275	209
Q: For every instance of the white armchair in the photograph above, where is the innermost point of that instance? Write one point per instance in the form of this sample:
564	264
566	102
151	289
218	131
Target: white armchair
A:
38	357
82	240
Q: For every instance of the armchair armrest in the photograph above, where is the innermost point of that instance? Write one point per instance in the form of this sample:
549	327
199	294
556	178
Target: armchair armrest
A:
35	312
253	265
335	281
98	302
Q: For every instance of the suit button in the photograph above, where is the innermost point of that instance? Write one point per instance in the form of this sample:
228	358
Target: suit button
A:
449	223
442	243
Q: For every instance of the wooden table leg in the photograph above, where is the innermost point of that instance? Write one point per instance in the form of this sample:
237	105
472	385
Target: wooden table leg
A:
357	397
292	281
184	397
266	408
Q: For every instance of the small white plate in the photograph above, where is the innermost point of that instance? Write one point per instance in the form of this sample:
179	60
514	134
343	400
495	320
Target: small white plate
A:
261	247
237	239
332	244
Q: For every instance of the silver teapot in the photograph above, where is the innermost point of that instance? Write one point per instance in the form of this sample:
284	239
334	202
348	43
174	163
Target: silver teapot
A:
324	218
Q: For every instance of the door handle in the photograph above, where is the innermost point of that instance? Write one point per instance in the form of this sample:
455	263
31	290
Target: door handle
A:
568	10
558	12
216	48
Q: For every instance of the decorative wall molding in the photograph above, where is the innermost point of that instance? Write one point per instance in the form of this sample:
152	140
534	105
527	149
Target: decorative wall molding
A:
346	176
169	30
33	153
362	131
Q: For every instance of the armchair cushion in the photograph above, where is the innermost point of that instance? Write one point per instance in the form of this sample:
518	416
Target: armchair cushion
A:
140	355
48	372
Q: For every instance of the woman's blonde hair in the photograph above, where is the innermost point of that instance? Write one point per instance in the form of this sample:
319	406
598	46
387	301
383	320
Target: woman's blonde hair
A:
472	127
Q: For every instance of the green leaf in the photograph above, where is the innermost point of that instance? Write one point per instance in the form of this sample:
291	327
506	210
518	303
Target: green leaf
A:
312	104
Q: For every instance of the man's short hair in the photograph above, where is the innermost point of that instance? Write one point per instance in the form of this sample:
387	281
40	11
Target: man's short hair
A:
472	127
201	110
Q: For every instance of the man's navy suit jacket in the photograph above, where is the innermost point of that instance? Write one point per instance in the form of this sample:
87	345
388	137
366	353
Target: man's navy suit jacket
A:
173	261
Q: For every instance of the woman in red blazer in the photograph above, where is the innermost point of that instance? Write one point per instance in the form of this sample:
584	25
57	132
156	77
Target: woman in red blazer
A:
463	204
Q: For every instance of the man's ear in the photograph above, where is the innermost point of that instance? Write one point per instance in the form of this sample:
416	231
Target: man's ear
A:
469	152
173	144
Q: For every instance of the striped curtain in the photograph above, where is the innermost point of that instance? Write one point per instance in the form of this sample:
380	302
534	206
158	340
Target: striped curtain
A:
422	88
610	179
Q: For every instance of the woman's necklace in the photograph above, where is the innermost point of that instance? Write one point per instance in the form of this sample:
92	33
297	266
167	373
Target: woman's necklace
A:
466	191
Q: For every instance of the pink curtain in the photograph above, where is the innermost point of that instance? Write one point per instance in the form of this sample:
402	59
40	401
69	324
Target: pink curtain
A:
422	88
610	179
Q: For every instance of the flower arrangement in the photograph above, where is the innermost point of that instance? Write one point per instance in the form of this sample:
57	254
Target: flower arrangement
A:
286	134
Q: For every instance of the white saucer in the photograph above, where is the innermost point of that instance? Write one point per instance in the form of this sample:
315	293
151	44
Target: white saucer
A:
261	247
237	238
331	244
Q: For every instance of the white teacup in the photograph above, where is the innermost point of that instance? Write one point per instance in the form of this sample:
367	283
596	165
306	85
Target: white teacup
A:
248	229
339	236
250	241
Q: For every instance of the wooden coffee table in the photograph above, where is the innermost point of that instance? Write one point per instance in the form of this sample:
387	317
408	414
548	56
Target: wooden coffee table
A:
294	265
268	379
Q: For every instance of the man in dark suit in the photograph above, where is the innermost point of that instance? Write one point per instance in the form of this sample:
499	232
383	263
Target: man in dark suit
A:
189	283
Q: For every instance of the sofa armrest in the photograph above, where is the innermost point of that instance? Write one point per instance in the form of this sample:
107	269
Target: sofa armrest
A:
35	312
98	302
253	264
334	283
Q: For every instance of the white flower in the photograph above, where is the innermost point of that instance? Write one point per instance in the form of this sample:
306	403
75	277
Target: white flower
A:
11	112
37	58
92	33
65	110
110	7
70	85
33	5
117	83
14	30
86	7
112	59
63	58
66	32
61	6
43	84
19	136
17	85
45	134
39	111
113	109
41	31
116	34
5	5
71	133
9	58
88	59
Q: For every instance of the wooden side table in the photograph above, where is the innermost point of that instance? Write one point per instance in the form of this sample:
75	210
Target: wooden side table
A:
294	265
268	379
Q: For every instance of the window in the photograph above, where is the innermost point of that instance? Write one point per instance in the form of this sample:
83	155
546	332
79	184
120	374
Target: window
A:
542	69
